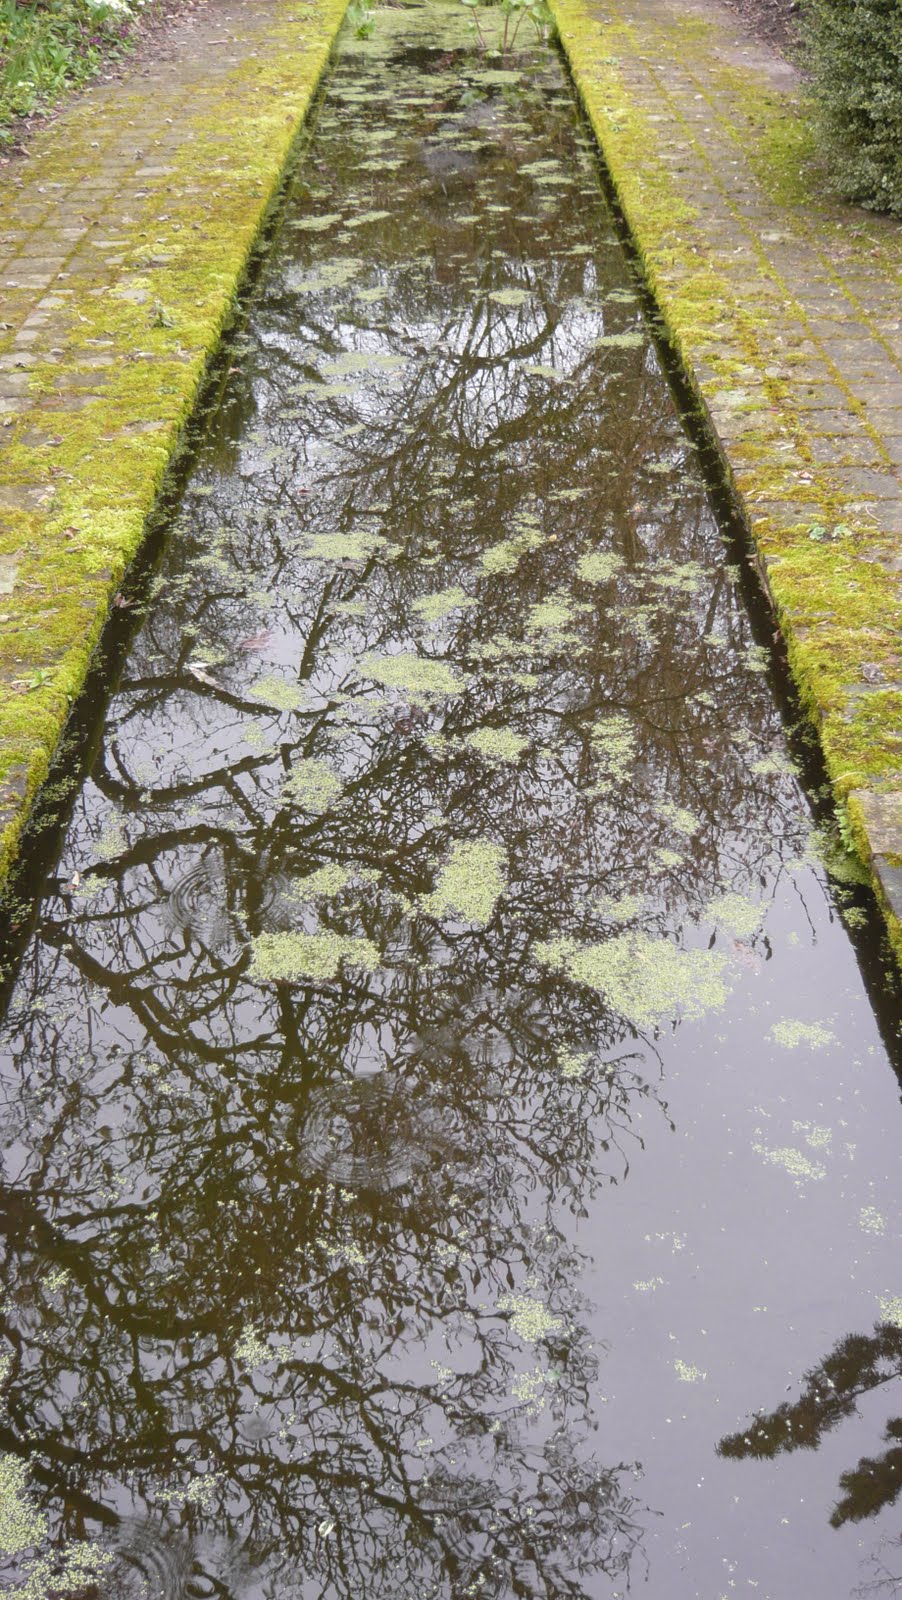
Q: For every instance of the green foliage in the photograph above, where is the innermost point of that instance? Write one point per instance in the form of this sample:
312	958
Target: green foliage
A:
855	50
49	46
513	14
360	19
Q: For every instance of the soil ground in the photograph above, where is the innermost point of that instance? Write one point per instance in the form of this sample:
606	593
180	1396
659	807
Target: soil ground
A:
774	22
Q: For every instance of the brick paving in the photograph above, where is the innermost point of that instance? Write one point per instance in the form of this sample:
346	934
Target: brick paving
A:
786	308
123	238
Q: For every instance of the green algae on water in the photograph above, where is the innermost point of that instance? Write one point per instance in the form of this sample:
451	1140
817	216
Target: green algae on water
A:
614	743
294	957
599	566
509	297
530	1318
548	615
790	1034
470	883
311	785
793	1161
505	556
619	341
324	883
435	607
358	545
648	981
624	909
497	745
419	677
736	913
74	1569
278	693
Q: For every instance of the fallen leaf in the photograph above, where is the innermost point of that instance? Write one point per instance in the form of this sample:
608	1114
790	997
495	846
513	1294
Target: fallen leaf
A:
198	671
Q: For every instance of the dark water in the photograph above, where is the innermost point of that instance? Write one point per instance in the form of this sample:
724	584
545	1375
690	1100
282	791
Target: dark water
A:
441	1101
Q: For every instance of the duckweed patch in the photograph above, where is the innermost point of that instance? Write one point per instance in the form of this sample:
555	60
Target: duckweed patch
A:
790	1033
599	566
470	883
278	693
418	677
736	913
324	883
645	980
70	1569
529	1318
497	745
435	607
793	1161
311	785
318	957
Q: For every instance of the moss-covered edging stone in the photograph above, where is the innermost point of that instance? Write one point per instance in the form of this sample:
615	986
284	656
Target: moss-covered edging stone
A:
786	313
123	241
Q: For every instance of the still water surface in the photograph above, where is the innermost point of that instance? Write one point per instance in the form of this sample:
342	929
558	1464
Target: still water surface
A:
441	1102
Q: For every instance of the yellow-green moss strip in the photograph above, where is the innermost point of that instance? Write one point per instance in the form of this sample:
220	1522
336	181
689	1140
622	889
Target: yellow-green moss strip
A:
826	549
155	193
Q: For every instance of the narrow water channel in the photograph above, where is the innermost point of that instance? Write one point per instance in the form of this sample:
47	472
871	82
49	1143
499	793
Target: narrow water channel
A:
441	1102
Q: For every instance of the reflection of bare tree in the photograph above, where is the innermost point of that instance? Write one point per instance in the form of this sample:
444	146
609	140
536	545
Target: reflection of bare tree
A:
287	1265
857	1366
831	1391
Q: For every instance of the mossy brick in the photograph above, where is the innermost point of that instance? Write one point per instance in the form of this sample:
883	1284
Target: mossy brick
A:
112	384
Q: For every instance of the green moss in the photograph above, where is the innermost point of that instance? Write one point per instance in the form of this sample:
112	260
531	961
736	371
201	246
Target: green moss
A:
470	883
647	981
295	957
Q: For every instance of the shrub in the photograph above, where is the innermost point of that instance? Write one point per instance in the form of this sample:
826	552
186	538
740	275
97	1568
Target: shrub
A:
855	52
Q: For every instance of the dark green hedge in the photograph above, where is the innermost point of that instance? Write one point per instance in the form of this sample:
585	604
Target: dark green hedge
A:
855	52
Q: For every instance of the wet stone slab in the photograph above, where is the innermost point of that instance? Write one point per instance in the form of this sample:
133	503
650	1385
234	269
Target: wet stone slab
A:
442	1096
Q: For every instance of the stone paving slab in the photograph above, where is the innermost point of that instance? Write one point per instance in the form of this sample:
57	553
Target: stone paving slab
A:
123	240
786	311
